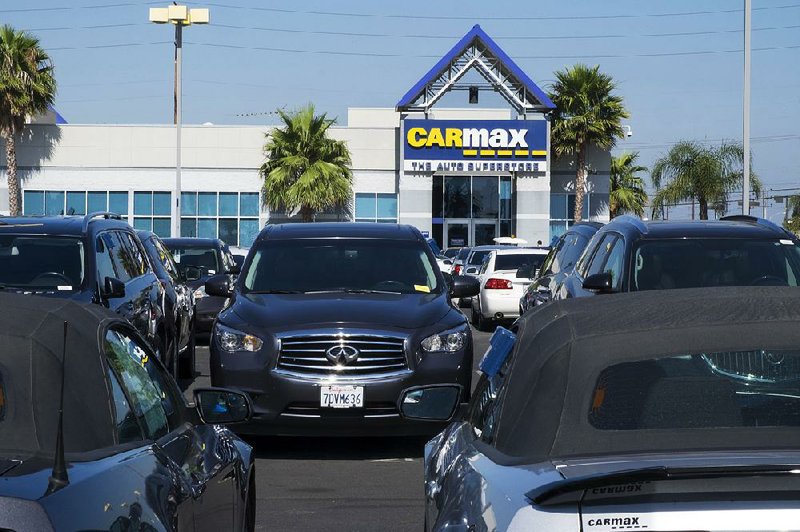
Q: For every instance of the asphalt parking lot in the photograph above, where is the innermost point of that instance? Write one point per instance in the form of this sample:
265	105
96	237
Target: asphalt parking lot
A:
338	483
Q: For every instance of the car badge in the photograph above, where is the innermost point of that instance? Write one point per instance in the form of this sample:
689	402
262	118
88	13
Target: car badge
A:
342	354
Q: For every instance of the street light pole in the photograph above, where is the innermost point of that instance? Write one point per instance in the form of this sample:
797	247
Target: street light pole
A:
179	16
746	111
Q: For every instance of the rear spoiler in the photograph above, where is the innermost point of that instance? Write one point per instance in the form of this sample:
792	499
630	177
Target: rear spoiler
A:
552	492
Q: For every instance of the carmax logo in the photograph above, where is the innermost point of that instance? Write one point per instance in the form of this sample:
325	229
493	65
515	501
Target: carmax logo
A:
474	141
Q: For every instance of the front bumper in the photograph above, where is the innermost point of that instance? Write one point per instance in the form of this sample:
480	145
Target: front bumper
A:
288	404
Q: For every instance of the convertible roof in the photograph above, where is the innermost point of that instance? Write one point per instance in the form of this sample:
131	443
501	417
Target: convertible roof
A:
31	338
563	346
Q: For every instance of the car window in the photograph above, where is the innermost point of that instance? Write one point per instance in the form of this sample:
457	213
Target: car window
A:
547	263
586	255
103	259
517	260
44	262
138	263
127	426
484	410
227	259
485	264
203	258
569	253
615	264
599	259
154	404
689	263
477	257
166	258
118	253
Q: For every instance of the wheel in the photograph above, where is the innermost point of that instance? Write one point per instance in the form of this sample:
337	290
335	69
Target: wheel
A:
484	324
473	318
186	362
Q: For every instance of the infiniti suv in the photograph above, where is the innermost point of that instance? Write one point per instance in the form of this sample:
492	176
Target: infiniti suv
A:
329	324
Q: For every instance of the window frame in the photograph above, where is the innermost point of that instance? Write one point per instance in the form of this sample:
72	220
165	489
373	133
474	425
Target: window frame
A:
194	218
376	218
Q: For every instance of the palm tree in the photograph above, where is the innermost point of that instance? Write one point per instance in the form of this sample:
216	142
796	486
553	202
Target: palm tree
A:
792	221
627	192
694	172
587	113
27	88
305	169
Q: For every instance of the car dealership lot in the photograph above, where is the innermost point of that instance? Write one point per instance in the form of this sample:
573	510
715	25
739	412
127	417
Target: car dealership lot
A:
338	483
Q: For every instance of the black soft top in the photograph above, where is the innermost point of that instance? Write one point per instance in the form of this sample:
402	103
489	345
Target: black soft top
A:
564	345
31	338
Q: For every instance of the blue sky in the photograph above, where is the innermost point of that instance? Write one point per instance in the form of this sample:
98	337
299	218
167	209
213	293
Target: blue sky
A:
678	63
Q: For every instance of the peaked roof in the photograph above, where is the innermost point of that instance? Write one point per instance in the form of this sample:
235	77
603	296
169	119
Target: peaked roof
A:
513	83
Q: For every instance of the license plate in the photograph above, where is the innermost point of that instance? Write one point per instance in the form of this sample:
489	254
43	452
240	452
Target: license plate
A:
341	396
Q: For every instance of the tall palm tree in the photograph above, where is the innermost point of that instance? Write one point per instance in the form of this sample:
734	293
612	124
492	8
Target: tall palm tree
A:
587	113
694	172
27	88
627	192
792	221
305	169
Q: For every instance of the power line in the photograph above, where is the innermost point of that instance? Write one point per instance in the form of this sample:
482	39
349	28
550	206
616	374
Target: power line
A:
69	8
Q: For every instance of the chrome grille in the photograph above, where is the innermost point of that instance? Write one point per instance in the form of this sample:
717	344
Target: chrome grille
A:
756	366
376	354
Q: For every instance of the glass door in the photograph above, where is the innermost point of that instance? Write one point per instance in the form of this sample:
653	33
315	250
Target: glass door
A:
457	233
484	232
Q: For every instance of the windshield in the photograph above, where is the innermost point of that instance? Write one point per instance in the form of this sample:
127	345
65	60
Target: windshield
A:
478	256
203	258
41	262
341	265
516	261
451	252
462	254
665	264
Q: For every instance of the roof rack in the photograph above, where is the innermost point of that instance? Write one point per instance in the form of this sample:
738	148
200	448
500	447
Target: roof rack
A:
758	221
95	215
633	220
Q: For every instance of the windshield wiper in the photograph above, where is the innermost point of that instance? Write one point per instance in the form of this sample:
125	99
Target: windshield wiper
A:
547	492
351	291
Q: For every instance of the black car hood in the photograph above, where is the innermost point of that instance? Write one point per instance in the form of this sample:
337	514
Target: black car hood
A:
290	311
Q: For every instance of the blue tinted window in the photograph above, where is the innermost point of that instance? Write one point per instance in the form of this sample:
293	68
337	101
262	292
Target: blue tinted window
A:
248	204
188	227
143	224
228	204
207	228
207	204
387	206
189	203
248	231
76	203
229	231
161	203
557	229
142	203
558	207
96	202
365	206
161	227
118	202
53	203
33	203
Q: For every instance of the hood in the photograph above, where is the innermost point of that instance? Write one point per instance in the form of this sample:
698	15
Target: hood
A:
291	311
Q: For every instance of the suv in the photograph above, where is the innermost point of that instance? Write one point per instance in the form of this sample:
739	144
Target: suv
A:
558	264
96	258
329	323
628	254
198	259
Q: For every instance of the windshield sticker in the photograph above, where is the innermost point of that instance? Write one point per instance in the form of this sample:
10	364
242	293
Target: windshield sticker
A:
64	288
212	272
422	288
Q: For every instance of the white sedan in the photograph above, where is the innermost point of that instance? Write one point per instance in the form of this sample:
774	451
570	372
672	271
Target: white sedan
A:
500	286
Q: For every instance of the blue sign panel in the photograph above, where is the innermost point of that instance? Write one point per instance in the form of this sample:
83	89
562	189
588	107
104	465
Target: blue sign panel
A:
475	145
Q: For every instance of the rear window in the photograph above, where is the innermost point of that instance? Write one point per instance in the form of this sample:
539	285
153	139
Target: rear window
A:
666	264
478	256
41	262
514	262
204	258
702	391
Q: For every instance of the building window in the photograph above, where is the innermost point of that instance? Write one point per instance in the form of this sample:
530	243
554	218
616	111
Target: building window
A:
562	210
372	207
229	216
151	212
73	202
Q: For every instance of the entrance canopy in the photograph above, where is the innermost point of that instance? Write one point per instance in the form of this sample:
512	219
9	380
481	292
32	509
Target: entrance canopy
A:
476	50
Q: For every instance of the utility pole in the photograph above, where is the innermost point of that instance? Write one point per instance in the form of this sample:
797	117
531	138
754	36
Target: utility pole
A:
746	111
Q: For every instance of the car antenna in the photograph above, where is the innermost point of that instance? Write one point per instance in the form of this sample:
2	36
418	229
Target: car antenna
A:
59	477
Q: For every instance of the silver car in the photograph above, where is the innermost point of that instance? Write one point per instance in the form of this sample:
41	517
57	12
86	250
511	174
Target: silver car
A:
659	411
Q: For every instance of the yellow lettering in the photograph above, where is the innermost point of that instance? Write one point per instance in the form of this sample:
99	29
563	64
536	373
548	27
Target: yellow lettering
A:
452	137
416	137
435	138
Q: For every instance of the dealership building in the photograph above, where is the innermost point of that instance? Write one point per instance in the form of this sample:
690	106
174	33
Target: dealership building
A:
463	175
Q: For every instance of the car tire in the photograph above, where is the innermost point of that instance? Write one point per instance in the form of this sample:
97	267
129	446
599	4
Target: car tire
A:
473	317
484	324
186	363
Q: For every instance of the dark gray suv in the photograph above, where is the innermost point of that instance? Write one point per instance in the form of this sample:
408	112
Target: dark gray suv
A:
329	324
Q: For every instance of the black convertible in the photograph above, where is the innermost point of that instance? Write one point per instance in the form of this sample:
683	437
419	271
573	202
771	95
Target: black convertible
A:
95	435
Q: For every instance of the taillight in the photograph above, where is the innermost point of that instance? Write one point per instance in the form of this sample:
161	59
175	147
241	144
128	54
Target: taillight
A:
457	269
498	284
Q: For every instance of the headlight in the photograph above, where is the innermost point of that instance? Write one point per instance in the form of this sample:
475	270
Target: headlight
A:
446	341
200	292
231	340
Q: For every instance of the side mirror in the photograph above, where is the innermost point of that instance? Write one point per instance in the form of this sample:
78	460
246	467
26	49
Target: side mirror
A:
430	403
220	405
219	285
464	286
192	273
599	282
113	288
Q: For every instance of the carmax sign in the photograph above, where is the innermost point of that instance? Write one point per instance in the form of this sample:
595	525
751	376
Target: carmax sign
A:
475	145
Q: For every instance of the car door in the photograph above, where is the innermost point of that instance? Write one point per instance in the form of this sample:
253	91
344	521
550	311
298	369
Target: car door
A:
145	294
202	457
185	308
111	258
